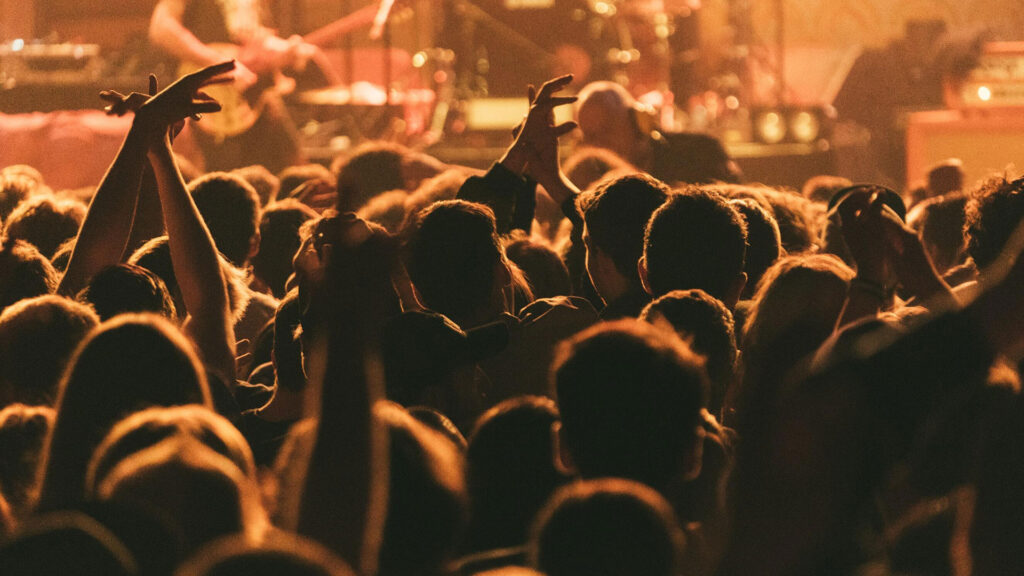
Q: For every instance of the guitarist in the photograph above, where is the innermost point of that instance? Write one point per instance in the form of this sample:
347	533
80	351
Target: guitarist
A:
189	31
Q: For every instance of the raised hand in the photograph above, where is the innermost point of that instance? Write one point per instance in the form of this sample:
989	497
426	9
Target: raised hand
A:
863	229
537	137
182	99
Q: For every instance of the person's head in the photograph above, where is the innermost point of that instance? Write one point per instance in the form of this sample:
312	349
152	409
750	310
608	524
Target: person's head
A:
695	240
940	222
279	240
510	471
456	262
231	209
294	176
542	267
24	273
707	325
945	177
630	396
608	527
373	168
615	219
606	113
37	338
993	213
282	554
764	242
66	543
444	186
16	188
822	188
127	288
149	427
798	219
426	488
589	165
45	221
126	364
23	430
262	181
198	494
386	209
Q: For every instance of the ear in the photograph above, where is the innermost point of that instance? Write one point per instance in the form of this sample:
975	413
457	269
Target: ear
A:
563	459
694	458
641	268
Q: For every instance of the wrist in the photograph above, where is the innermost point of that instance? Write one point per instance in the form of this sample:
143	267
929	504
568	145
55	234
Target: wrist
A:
515	158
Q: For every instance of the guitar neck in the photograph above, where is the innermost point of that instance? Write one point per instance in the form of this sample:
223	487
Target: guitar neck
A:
326	34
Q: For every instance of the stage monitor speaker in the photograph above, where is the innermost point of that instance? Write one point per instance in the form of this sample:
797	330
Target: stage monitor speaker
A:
986	141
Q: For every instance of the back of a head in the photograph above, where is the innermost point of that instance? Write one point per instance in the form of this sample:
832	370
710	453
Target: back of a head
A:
127	288
707	325
37	338
945	177
993	213
149	427
940	222
545	272
279	240
822	188
610	527
373	168
45	221
23	430
16	188
24	273
451	256
616	216
126	364
510	471
764	242
231	209
603	112
696	240
284	554
588	165
386	209
262	180
798	220
294	176
630	396
66	543
426	488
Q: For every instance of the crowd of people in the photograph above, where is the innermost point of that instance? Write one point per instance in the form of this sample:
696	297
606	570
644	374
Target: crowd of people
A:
624	363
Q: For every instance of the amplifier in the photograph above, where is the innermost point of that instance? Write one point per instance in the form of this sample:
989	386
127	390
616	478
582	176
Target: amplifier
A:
996	82
24	63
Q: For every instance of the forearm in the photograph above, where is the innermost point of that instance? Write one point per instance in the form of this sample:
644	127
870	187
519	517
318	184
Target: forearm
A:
108	223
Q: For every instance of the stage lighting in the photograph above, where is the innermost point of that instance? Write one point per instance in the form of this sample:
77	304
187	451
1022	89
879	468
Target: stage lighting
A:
791	124
769	126
804	126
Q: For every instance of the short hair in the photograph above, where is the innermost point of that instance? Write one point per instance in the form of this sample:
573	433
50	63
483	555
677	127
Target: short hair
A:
386	209
23	430
544	270
945	177
695	240
798	220
444	186
262	180
45	221
822	188
940	222
282	553
24	273
608	527
590	164
764	242
231	209
37	339
707	326
294	176
66	542
16	188
616	215
630	396
279	241
451	254
993	212
510	471
372	168
127	288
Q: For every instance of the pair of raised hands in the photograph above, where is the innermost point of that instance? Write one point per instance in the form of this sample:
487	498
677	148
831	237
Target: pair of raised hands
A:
535	149
163	113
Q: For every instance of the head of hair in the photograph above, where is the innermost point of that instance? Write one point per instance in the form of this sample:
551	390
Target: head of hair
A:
24	273
798	219
510	471
16	188
630	397
542	267
66	543
126	364
444	186
616	216
37	338
283	553
231	209
993	213
940	222
25	170
608	527
603	111
372	168
198	494
822	188
287	349
695	240
45	221
451	255
127	288
151	426
707	325
386	209
441	424
945	177
589	165
294	176
23	429
425	489
279	240
262	180
764	242
62	256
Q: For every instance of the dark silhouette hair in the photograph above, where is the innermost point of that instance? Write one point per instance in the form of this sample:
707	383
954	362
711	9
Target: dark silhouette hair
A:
127	364
764	242
630	396
940	222
510	471
590	164
609	527
287	349
37	338
616	216
23	429
128	288
262	180
695	240
45	221
279	240
24	273
231	209
15	188
544	270
294	176
66	543
281	554
993	213
372	168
